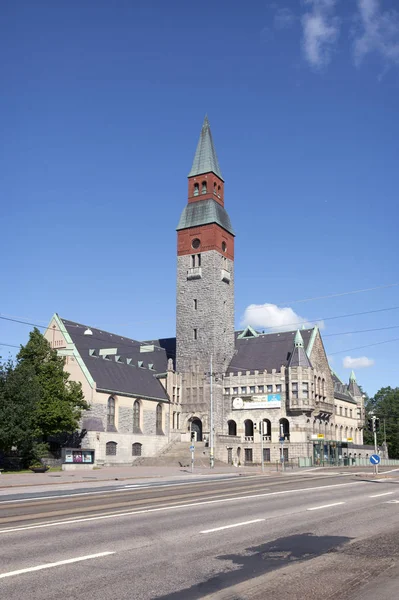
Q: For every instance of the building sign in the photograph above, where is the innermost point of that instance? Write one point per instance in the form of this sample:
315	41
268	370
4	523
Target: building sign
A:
78	456
266	401
317	436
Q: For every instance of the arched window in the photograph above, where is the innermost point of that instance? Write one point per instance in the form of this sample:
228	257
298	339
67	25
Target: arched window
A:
232	425
214	188
196	189
159	429
323	386
110	448
203	189
249	428
136	449
267	428
111	411
319	386
284	428
315	386
136	417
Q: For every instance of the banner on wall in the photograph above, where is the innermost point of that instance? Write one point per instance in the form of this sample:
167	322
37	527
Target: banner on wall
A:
266	401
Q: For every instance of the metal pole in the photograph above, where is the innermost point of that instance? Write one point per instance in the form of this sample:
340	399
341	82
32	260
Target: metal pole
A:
261	445
282	446
192	460
375	445
211	420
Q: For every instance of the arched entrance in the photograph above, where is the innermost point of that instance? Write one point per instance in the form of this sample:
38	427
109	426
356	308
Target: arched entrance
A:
196	429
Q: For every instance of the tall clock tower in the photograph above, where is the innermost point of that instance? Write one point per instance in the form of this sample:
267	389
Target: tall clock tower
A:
205	280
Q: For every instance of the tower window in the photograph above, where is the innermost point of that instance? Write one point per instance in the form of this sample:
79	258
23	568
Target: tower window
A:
198	260
224	246
195	303
195	333
195	243
214	188
203	190
196	189
193	260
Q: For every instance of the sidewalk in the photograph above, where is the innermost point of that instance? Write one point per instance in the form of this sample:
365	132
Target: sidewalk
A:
10	480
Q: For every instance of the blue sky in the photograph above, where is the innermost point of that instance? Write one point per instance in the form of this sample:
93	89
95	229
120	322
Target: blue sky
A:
101	108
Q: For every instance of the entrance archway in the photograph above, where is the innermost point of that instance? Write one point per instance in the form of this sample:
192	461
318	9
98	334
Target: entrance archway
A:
196	429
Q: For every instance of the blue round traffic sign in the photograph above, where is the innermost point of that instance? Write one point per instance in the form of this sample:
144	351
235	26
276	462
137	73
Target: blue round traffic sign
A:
192	448
375	459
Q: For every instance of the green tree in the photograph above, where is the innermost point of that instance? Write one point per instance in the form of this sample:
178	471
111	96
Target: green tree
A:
61	402
385	406
19	397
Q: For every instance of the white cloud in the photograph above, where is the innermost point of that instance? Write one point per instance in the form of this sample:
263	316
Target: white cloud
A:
361	362
320	31
378	32
284	18
271	316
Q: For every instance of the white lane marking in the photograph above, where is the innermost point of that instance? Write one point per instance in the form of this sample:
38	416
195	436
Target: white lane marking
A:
384	494
325	506
69	561
176	506
391	471
392	502
231	526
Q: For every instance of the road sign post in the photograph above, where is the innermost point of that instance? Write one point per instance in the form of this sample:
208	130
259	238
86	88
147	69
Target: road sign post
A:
375	460
192	450
261	445
282	446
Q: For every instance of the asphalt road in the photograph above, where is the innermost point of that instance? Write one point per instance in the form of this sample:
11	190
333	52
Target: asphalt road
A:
299	536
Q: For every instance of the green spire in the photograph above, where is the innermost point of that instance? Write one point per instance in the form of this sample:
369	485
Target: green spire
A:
352	377
298	341
205	159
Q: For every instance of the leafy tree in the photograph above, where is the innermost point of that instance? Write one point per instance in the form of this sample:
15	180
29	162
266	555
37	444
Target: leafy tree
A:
385	406
19	396
37	400
61	402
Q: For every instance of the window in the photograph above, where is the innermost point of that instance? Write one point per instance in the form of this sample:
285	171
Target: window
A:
269	389
351	413
198	260
111	411
248	455
346	412
294	389
252	389
136	449
232	425
266	454
285	454
305	389
224	246
278	388
203	189
227	391
336	409
193	260
110	448
249	428
195	303
196	243
136	417
243	390
195	333
340	410
235	390
196	189
229	456
178	421
159	429
261	389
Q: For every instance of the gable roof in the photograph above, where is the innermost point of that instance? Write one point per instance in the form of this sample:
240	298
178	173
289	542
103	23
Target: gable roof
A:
119	376
205	159
266	351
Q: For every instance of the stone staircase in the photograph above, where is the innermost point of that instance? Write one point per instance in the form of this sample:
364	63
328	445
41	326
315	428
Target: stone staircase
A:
177	454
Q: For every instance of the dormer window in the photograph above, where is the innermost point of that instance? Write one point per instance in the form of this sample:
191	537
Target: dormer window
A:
203	189
214	189
196	189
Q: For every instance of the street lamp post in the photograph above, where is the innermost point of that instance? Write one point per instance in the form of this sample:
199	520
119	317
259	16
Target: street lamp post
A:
211	443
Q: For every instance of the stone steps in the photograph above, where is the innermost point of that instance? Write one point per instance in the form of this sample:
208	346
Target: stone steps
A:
178	454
